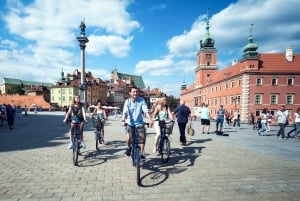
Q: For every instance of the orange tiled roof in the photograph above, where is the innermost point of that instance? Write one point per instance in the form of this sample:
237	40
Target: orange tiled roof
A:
269	62
276	62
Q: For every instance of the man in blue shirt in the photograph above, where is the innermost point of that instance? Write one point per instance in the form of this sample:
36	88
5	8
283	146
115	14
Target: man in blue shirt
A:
220	120
133	112
183	113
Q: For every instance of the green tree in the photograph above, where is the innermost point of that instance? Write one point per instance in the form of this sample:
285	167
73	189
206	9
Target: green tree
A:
16	89
172	102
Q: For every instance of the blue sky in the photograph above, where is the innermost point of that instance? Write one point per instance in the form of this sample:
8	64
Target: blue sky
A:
158	39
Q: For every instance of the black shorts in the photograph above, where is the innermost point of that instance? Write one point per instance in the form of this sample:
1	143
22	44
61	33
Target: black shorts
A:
141	130
205	122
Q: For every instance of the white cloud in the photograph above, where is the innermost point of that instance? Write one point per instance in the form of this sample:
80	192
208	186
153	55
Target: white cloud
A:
8	44
276	26
116	45
45	33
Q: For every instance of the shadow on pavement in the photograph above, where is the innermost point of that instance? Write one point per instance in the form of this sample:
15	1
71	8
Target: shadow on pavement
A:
34	131
180	160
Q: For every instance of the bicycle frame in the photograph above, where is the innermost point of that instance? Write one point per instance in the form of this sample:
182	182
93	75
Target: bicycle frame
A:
164	143
136	151
98	126
76	142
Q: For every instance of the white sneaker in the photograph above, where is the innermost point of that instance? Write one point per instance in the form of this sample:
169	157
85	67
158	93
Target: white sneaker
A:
70	145
154	150
83	144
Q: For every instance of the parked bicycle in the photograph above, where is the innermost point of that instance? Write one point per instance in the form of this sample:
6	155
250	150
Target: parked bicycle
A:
164	147
97	121
136	149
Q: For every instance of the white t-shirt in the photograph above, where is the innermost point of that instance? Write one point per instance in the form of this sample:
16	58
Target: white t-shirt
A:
297	117
282	116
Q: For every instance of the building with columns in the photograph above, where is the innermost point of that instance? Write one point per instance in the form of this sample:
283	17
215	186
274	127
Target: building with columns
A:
257	81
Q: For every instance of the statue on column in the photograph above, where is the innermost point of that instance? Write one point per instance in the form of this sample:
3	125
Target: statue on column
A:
82	28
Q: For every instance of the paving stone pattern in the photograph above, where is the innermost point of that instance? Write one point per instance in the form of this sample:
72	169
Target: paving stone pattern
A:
36	165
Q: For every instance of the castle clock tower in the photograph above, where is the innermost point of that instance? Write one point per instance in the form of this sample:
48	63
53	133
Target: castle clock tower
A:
206	59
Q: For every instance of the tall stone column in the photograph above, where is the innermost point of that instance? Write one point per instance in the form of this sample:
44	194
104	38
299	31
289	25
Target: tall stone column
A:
82	39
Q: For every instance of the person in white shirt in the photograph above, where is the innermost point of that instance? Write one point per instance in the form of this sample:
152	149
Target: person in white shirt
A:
296	121
282	117
205	118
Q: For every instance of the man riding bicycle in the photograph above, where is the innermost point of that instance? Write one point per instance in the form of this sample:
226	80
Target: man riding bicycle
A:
133	112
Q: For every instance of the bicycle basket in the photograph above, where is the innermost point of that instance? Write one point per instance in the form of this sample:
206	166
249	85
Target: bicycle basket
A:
169	127
97	122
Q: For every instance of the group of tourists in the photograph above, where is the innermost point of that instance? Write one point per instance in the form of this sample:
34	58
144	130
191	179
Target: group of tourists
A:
134	112
9	112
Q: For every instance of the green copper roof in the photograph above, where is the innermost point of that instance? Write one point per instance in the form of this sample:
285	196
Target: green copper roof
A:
26	83
207	40
138	80
250	49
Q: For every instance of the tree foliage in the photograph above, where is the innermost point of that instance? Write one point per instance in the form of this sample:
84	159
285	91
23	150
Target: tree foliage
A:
16	89
172	102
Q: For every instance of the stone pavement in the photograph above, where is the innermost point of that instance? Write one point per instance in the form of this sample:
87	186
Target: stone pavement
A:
36	165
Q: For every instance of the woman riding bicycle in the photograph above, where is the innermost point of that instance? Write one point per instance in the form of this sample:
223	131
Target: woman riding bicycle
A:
161	112
77	111
101	115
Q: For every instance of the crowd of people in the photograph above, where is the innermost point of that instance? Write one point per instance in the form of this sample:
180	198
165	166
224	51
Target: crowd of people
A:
9	112
135	112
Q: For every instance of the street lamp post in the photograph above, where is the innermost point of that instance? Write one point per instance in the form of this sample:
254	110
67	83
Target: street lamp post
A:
82	39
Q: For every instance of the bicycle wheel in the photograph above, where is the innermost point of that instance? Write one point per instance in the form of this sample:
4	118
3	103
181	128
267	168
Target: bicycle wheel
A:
97	139
138	165
165	150
75	151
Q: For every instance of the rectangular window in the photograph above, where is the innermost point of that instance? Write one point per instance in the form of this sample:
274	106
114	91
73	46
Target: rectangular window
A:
257	100
208	59
231	100
259	81
290	81
232	84
239	82
274	99
238	99
289	99
216	102
274	81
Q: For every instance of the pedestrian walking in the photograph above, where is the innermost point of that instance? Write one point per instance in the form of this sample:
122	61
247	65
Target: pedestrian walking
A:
236	119
183	114
205	118
10	115
220	120
263	122
296	125
282	116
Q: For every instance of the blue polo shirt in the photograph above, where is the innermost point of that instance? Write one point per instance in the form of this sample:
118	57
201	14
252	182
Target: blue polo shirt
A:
134	111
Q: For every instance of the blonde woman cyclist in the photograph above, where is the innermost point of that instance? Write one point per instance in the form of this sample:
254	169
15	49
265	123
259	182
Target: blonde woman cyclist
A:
77	111
161	112
102	116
